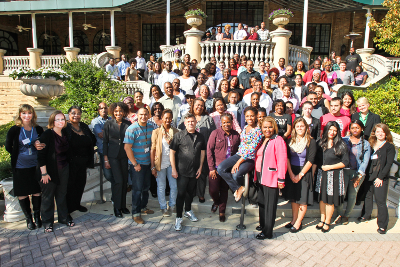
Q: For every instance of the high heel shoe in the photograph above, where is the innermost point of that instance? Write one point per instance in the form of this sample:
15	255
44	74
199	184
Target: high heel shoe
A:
320	227
289	225
326	230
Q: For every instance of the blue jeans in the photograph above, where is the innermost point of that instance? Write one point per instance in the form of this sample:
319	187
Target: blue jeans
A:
140	188
233	180
107	172
162	176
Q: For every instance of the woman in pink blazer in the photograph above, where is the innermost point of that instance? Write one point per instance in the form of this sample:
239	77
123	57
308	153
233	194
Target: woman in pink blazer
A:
270	171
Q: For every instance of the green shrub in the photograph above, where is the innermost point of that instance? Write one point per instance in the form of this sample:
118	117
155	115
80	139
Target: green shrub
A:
87	87
385	101
5	157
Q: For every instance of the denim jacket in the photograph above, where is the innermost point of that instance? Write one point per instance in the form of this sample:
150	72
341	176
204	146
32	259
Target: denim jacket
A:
361	165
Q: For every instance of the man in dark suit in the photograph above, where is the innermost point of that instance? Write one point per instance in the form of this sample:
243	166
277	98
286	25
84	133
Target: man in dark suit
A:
368	118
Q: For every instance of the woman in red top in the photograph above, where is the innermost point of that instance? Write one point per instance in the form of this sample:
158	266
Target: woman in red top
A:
139	102
270	173
253	35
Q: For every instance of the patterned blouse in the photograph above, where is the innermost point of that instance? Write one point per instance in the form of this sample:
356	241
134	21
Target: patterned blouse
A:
249	143
217	120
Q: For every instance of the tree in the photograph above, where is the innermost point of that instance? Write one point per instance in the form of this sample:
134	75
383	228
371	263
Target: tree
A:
388	31
88	86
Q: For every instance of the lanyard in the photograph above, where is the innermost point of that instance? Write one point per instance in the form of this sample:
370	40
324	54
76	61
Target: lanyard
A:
145	133
379	147
30	139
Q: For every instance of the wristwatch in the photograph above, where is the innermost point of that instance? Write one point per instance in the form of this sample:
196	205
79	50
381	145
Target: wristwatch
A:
302	174
44	174
134	165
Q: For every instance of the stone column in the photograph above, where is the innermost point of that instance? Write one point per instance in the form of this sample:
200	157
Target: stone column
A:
2	52
115	50
71	53
193	37
281	38
365	52
34	57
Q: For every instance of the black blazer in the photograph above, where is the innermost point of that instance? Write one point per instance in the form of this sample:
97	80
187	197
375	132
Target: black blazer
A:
315	128
87	132
371	121
47	156
12	142
380	167
113	138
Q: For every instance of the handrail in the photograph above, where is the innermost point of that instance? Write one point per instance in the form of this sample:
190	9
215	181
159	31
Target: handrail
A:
15	62
299	53
241	225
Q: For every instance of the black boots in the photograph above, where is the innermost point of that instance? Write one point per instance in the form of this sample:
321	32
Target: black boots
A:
36	202
26	209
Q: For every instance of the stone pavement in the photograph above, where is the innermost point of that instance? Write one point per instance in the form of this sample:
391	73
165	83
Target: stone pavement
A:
103	240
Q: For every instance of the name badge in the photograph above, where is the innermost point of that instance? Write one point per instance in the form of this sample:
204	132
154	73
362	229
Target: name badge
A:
26	141
374	156
146	150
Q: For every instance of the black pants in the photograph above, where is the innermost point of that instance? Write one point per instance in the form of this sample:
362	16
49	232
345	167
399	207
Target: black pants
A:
268	203
380	194
76	182
141	74
50	191
186	188
119	168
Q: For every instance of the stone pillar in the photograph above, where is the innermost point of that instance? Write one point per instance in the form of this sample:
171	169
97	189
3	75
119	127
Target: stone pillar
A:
71	53
365	52
2	52
34	58
281	38
193	37
13	212
115	50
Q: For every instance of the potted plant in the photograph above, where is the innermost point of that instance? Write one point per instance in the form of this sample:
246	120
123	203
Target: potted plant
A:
195	17
280	17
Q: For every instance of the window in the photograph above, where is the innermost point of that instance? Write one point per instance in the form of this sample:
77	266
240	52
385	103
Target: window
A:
51	45
154	35
9	43
318	37
81	41
233	13
100	41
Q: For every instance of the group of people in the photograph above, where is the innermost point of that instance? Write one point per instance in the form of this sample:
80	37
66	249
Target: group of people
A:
284	127
242	33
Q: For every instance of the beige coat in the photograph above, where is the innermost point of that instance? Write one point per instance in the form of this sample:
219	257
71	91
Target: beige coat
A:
156	144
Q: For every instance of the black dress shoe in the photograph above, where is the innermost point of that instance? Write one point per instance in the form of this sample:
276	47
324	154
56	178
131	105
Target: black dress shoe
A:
214	208
362	219
294	230
261	236
82	209
259	228
289	225
154	195
118	213
222	218
202	200
381	231
125	211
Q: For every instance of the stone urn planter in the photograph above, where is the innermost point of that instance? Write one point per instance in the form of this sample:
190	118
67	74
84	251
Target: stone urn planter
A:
194	20
13	212
44	90
280	21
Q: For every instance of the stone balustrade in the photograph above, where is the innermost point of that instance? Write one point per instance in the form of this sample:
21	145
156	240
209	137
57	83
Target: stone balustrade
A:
168	52
84	58
298	53
54	61
132	86
15	62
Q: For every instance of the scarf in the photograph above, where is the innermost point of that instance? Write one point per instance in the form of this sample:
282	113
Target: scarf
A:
299	146
167	135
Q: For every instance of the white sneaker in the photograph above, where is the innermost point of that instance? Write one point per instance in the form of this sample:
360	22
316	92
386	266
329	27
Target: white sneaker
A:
189	214
178	224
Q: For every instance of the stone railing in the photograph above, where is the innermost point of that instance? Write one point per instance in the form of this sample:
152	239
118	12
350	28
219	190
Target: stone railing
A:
298	53
224	50
84	58
144	87
52	61
168	51
15	62
395	63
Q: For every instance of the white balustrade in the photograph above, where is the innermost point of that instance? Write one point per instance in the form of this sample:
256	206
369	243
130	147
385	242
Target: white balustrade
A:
53	61
395	64
84	58
132	86
298	53
168	52
15	62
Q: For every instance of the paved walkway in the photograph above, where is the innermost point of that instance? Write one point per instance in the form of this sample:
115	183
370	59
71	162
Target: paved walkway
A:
103	240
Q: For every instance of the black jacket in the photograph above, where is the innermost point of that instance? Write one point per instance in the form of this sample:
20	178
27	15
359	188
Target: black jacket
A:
113	138
380	167
47	156
12	142
87	132
371	121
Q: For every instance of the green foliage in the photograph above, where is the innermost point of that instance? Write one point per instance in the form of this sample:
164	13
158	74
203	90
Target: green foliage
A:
195	12
282	11
385	101
39	73
388	30
87	87
5	157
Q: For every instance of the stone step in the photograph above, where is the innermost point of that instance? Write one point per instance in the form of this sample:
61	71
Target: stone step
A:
284	207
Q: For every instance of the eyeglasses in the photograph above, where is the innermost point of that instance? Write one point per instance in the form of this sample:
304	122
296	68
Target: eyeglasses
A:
58	120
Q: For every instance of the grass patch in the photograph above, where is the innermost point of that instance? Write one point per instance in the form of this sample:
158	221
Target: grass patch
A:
5	157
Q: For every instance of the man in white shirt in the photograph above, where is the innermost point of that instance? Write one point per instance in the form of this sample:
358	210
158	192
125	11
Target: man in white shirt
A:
240	34
167	75
140	65
263	33
171	101
186	107
112	70
265	99
122	66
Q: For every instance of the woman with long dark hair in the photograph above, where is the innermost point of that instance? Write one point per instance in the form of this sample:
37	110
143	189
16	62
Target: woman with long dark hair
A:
377	182
299	179
359	153
330	181
23	145
220	108
349	104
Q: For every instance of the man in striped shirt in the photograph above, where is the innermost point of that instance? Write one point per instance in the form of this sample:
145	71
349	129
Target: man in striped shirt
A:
137	146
